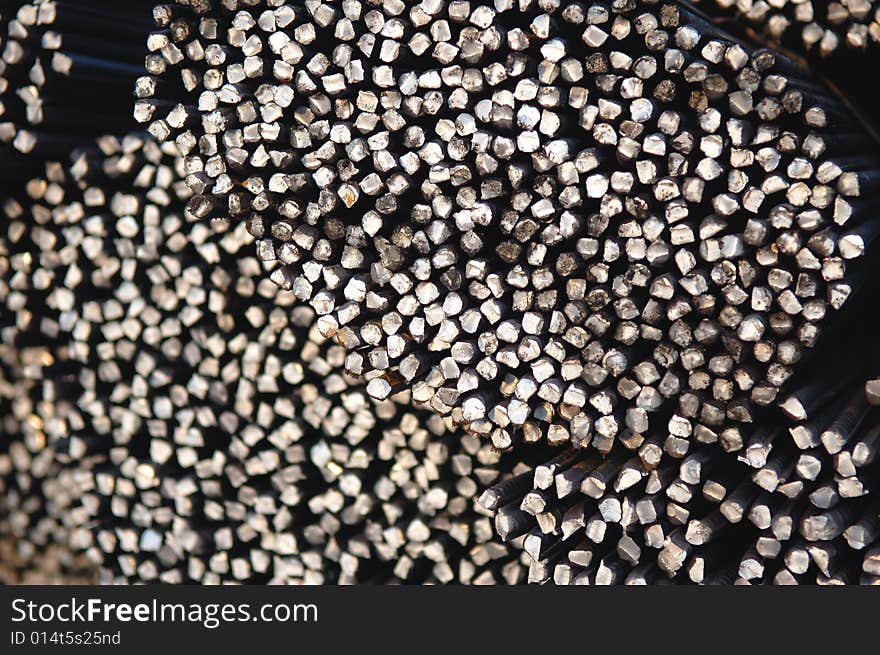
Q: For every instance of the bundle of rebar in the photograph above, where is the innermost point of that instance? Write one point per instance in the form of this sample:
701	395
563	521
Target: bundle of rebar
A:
659	221
213	434
65	73
820	26
442	292
788	505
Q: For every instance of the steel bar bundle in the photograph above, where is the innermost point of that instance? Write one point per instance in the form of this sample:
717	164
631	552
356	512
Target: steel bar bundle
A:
214	435
821	26
786	505
439	292
66	69
559	283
